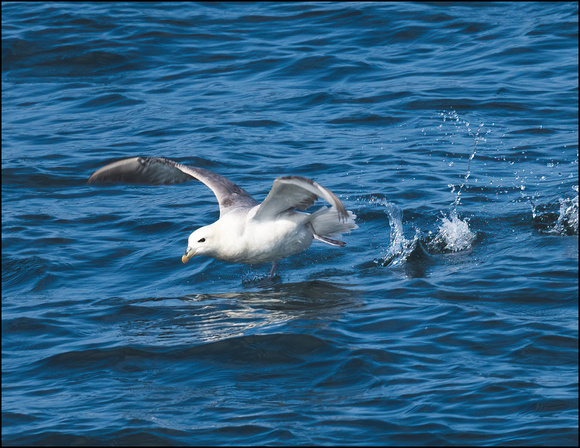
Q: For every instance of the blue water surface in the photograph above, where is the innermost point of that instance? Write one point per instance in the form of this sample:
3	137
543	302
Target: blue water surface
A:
449	129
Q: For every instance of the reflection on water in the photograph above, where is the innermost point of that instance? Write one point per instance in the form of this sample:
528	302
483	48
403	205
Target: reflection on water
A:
213	317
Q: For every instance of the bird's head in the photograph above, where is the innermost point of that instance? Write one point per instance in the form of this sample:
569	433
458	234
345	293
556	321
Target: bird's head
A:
199	242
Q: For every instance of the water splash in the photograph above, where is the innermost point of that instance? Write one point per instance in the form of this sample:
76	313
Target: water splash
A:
529	198
557	218
454	234
567	223
476	138
399	247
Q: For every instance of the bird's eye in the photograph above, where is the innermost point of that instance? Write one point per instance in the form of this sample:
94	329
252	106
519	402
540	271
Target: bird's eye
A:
202	240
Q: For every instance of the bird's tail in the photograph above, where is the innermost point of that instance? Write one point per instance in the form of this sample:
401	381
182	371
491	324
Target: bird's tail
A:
326	223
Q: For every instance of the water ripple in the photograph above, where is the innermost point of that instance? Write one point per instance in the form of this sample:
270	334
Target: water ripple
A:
451	316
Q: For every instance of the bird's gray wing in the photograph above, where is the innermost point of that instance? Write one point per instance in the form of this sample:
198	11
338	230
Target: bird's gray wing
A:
162	171
296	192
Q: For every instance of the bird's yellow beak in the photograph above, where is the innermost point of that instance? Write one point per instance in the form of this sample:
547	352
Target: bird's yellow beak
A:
188	254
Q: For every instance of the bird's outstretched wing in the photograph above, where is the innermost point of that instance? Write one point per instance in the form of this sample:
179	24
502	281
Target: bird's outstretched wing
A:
296	192
162	171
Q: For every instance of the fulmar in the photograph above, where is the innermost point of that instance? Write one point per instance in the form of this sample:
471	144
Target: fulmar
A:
246	231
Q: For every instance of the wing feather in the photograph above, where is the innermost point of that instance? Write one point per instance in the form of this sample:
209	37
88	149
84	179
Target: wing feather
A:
162	171
296	192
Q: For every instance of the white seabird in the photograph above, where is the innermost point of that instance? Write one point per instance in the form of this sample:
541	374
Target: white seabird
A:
246	231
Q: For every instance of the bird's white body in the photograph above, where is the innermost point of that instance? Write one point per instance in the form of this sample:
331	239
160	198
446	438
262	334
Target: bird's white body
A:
237	238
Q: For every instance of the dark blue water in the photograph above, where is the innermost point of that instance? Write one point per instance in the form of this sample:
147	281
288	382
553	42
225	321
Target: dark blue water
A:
451	316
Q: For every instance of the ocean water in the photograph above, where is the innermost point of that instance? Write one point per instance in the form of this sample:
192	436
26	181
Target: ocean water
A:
451	316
